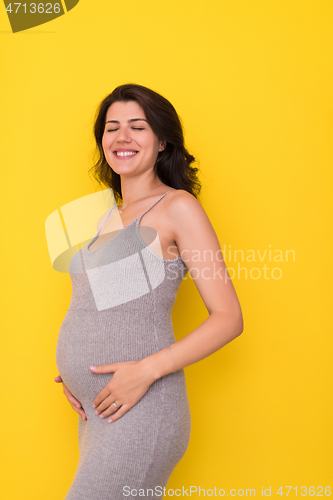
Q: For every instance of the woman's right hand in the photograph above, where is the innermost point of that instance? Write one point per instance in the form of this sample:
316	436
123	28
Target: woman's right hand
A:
75	404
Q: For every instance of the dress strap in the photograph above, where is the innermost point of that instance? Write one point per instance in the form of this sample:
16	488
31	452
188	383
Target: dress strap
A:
140	216
107	215
137	219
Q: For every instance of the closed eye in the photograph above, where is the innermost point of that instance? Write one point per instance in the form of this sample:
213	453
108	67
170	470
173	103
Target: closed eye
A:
134	128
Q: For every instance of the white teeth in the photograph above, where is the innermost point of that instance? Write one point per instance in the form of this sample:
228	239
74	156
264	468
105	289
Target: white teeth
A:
125	153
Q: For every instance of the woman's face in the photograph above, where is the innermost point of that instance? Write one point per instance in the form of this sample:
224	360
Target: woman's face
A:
129	144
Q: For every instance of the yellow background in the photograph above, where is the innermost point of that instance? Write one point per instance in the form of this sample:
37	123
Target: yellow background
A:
252	83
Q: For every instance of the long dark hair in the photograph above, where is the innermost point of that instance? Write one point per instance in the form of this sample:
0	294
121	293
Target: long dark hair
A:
173	166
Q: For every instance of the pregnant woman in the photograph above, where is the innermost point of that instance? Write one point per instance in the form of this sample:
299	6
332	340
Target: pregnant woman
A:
117	357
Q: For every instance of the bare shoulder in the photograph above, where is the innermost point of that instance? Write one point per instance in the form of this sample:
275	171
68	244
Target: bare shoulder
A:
184	201
186	211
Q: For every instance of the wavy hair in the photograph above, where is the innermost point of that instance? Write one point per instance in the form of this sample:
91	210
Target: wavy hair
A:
173	165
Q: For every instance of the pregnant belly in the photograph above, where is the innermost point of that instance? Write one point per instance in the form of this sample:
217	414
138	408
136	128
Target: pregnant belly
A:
87	339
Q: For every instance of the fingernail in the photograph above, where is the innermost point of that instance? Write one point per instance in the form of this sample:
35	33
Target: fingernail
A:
93	367
96	412
110	421
101	416
94	406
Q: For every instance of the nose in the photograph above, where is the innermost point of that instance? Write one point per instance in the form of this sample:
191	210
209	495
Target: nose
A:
123	135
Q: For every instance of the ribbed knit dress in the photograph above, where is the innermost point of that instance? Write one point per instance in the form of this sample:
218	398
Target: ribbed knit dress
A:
120	310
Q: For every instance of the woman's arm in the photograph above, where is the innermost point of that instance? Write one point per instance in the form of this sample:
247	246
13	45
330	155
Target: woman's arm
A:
200	249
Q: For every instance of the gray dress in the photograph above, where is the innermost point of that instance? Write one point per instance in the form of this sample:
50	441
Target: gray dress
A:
122	297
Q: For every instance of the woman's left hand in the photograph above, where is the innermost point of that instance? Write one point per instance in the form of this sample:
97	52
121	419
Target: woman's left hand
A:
130	381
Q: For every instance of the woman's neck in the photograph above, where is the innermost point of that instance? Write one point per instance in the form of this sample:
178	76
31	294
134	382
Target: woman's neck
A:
133	193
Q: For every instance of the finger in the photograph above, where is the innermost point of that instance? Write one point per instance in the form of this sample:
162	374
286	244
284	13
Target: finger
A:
119	413
58	379
82	413
105	404
71	398
110	409
101	396
74	401
104	368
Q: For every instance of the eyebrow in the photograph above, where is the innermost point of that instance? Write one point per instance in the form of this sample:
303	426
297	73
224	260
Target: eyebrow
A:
129	121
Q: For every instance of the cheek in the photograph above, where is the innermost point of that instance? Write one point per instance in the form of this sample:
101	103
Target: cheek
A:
105	143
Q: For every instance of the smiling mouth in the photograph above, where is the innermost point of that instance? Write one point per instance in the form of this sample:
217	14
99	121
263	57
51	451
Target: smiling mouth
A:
125	154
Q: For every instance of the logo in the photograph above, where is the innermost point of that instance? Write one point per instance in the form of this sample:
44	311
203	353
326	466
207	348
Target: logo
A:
23	16
122	268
